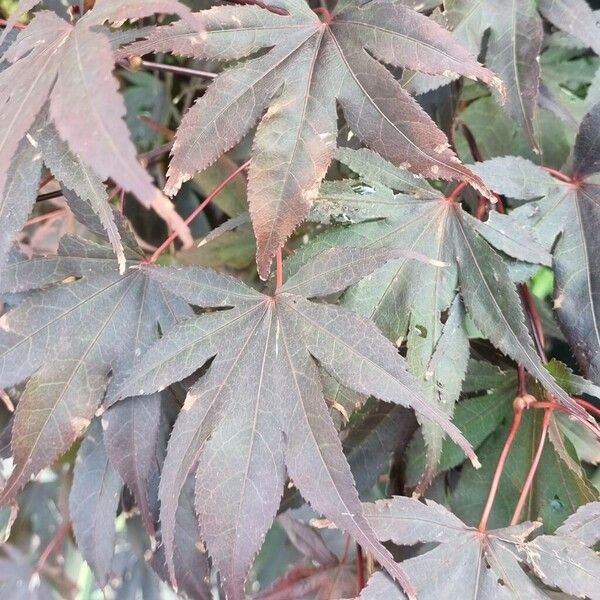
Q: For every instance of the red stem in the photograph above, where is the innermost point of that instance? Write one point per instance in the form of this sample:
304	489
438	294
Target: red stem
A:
279	269
475	153
327	16
533	469
46	181
51	215
521	380
4	23
157	127
360	568
588	406
500	468
346	549
53	545
122	201
455	193
558	175
199	209
565	409
535	319
186	71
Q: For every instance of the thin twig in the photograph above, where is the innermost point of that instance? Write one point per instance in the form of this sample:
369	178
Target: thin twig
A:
360	568
558	175
199	209
518	414
532	469
176	70
53	545
47	217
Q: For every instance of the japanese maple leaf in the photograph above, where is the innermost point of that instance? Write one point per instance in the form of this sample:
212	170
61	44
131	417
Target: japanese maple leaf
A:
469	563
514	43
326	578
260	410
44	146
68	68
310	64
93	502
407	298
571	208
68	337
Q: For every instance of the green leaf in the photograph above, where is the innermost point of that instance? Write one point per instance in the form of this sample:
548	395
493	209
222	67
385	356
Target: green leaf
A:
476	417
557	491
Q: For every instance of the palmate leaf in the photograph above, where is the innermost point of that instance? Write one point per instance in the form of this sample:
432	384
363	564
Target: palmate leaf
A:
132	429
51	65
309	65
44	145
573	211
69	337
192	569
486	565
259	410
406	299
513	44
93	502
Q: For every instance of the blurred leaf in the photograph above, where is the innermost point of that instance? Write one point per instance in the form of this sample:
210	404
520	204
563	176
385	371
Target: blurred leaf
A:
146	95
232	249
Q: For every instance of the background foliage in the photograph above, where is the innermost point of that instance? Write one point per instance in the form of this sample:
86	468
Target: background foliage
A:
358	342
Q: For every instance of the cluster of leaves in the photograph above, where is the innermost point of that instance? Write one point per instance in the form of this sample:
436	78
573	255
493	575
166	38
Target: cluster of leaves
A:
193	423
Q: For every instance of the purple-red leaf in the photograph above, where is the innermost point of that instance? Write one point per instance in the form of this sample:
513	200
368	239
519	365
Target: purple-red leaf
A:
308	66
260	409
93	503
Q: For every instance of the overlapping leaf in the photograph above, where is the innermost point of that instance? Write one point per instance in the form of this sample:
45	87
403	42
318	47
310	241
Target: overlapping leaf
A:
573	211
132	432
93	503
407	299
491	394
68	69
45	146
326	578
514	43
309	65
68	337
486	565
259	410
